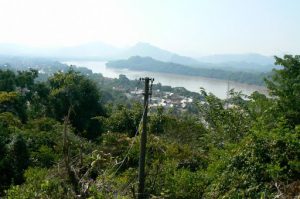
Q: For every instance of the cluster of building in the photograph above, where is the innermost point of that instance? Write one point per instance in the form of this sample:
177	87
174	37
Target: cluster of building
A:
161	98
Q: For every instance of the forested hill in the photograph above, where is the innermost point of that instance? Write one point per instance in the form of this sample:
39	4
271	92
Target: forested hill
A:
62	138
150	64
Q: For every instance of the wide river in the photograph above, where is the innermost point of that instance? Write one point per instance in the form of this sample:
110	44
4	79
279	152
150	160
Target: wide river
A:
192	83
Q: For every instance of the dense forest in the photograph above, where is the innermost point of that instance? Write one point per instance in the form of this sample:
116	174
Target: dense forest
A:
67	135
211	71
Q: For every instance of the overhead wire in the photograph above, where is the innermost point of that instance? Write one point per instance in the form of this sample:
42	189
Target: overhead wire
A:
132	142
135	135
131	145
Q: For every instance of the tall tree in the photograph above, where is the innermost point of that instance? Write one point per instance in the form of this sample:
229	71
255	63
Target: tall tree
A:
284	85
7	80
81	94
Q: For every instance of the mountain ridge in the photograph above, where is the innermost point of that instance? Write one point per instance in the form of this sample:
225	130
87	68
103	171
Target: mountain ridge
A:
103	51
139	63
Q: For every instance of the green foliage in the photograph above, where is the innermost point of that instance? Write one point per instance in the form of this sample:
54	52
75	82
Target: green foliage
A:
124	120
18	154
43	137
14	157
40	184
13	102
7	80
40	101
44	156
228	121
285	86
241	147
72	90
255	166
177	183
25	79
170	166
157	122
148	64
10	121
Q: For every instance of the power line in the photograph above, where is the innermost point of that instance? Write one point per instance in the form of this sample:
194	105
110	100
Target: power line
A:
131	145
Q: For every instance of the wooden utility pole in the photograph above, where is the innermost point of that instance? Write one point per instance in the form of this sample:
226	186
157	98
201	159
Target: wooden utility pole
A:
147	92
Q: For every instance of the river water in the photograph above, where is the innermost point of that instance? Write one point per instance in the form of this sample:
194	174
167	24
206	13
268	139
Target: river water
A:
192	83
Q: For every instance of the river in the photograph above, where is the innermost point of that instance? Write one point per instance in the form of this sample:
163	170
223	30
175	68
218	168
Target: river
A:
192	83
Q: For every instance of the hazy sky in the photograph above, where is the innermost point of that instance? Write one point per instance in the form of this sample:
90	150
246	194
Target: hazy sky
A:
191	27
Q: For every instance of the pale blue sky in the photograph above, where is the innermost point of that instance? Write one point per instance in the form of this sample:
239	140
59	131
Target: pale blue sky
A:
190	27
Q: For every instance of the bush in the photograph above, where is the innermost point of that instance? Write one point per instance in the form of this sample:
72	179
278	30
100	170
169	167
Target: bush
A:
40	184
257	165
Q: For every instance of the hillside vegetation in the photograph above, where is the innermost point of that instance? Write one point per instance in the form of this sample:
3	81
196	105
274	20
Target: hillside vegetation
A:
68	137
211	71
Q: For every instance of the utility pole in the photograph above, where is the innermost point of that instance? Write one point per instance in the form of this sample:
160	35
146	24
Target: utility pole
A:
147	92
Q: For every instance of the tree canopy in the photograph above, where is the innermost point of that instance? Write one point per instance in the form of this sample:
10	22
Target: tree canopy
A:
62	139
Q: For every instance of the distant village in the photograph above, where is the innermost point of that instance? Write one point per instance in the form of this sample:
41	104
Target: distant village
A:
159	98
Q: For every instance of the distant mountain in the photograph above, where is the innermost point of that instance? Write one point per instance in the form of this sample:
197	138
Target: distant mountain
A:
10	49
148	50
240	66
231	58
94	50
102	51
145	49
149	64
